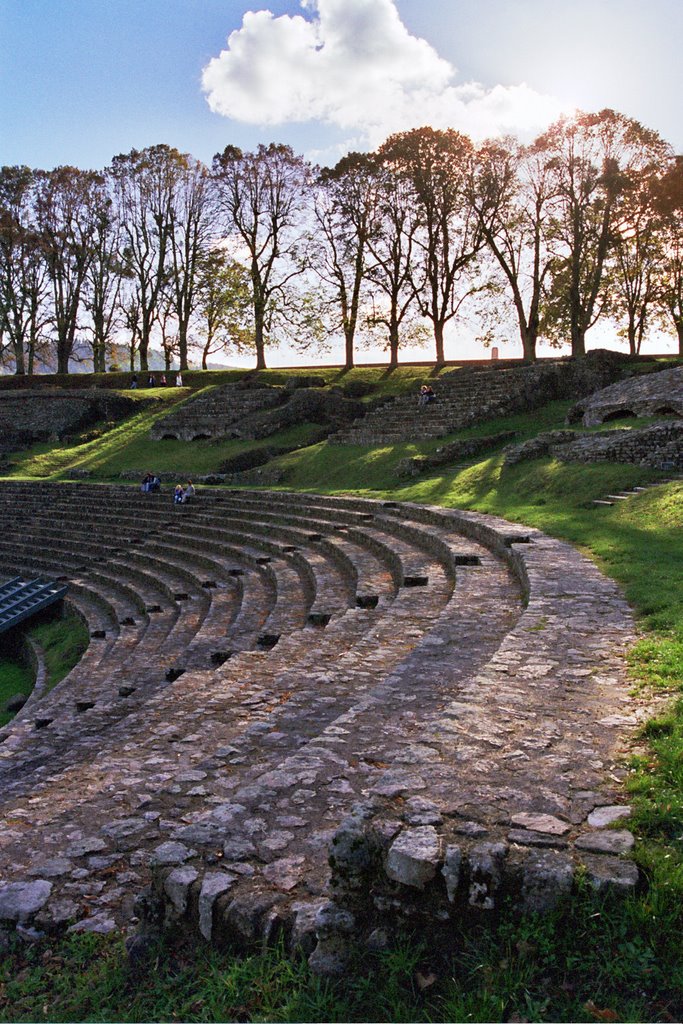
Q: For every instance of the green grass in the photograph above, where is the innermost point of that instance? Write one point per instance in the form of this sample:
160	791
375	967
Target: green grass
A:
14	678
592	959
62	642
128	447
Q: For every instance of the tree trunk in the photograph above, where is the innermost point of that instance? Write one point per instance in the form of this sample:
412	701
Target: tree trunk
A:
393	344
578	340
679	332
143	347
182	345
438	338
529	346
19	358
632	344
64	347
258	339
348	346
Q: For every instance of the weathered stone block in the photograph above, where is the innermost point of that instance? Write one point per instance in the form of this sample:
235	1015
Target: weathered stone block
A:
602	816
545	823
19	901
485	861
414	856
610	873
171	853
615	842
547	877
451	870
177	886
213	885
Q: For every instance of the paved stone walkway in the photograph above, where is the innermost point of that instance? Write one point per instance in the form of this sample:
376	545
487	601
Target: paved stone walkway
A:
273	677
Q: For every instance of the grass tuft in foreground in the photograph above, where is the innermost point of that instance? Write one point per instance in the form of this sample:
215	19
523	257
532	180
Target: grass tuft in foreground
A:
593	959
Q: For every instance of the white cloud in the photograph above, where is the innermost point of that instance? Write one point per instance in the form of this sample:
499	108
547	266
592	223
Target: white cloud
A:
353	64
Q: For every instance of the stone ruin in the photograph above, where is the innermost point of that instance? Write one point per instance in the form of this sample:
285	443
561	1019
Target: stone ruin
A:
658	446
311	718
252	410
650	394
29	416
472	395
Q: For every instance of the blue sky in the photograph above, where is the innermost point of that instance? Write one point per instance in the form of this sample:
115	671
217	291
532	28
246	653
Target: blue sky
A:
81	80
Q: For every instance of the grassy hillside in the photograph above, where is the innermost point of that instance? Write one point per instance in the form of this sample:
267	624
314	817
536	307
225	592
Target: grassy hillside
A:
593	960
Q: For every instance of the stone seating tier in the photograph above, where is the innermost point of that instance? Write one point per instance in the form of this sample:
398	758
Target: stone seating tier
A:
469	396
402	684
213	414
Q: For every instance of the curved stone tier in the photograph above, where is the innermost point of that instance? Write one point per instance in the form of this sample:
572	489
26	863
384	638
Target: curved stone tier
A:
273	677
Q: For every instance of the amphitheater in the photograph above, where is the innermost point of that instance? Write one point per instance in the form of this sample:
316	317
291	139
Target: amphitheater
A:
309	717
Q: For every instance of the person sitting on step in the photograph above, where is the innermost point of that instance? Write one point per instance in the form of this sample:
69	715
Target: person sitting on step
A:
427	395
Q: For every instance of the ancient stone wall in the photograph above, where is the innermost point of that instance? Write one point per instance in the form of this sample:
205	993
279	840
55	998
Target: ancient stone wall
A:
659	446
649	394
251	410
28	416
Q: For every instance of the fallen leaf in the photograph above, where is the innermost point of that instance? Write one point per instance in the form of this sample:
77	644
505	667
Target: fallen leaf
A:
425	980
599	1014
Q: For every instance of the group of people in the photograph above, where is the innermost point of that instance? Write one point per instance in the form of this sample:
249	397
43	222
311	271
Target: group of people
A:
151	483
152	381
181	494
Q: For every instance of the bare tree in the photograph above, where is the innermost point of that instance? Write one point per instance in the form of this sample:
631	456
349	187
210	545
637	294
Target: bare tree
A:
261	196
633	280
146	183
129	301
191	228
66	206
438	165
167	323
512	193
344	207
391	243
104	276
23	273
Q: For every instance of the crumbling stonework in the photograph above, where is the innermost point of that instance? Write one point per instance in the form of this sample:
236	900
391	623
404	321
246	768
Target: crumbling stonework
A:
650	394
251	410
659	446
451	454
29	416
467	396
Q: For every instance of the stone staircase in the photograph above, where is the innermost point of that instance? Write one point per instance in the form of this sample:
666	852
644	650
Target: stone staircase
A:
474	395
273	678
464	397
217	412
